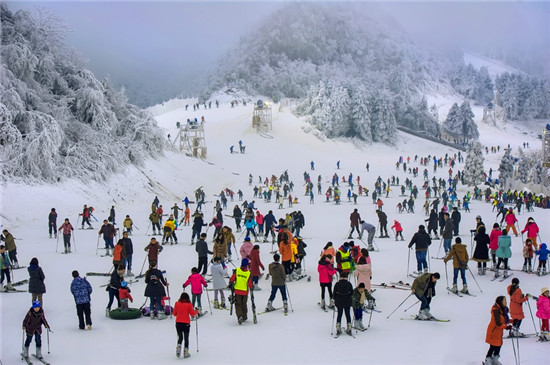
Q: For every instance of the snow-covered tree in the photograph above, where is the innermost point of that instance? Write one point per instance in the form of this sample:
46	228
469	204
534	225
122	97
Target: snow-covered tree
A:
506	167
453	122
524	165
473	166
469	126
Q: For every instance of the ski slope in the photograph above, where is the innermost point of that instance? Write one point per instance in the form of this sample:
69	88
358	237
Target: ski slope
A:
304	335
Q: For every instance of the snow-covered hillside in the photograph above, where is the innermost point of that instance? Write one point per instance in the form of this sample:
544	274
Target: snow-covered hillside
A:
494	67
304	335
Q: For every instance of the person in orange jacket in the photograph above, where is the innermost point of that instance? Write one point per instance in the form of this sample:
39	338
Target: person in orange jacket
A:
516	306
495	329
183	310
119	253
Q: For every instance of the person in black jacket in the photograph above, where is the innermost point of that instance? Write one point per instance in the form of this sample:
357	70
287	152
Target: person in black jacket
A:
269	222
299	222
52	223
198	223
155	291
202	251
432	224
421	240
343	291
116	278
455	216
129	247
36	281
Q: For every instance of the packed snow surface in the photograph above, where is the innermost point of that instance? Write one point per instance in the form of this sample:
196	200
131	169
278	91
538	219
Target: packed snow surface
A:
304	335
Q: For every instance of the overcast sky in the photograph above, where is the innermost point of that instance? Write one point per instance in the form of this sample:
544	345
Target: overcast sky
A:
163	46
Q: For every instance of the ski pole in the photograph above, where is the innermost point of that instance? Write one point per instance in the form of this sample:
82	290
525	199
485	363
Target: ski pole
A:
447	276
23	341
440	244
209	304
133	225
57	243
532	318
168	292
197	331
399	305
48	338
474	279
332	325
408	261
515	355
370	317
142	266
517	345
74	243
429	261
97	246
415	303
147	230
289	300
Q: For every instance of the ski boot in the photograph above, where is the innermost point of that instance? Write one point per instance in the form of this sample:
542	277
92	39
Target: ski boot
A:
153	314
465	289
216	304
16	265
479	271
89	327
488	361
257	288
348	329
370	248
505	274
361	327
484	270
422	315
497	274
222	303
201	313
331	304
269	307
495	360
240	320
543	271
50	235
25	352
370	304
178	350
186	353
454	289
524	269
39	353
323	305
129	273
285	306
107	311
338	329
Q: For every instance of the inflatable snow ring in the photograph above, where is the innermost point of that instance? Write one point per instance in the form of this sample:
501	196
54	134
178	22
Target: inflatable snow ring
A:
132	313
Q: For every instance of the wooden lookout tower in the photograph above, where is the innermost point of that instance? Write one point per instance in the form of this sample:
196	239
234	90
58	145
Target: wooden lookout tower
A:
190	139
262	117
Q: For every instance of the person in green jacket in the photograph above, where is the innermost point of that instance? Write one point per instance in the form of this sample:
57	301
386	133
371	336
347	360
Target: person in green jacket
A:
503	252
360	299
423	288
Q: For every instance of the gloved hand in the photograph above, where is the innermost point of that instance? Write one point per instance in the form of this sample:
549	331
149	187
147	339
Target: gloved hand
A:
509	327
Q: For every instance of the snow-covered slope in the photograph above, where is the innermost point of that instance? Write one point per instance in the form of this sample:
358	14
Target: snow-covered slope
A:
494	67
304	335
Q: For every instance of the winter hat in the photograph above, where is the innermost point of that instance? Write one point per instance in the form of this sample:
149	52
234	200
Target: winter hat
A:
478	217
244	262
542	291
36	303
123	284
247	239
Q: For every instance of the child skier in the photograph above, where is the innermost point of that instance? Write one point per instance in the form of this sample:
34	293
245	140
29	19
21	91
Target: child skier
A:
543	313
124	295
361	299
5	265
528	252
67	228
183	309
516	307
197	282
153	249
128	224
398	230
218	282
32	325
543	257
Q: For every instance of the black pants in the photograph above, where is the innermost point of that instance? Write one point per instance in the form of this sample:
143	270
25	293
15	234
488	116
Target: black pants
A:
183	333
345	310
493	351
288	269
502	260
113	293
327	286
52	228
203	264
83	310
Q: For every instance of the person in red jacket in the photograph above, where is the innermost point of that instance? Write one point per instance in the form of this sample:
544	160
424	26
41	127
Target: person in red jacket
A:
183	309
398	230
255	265
532	231
124	295
326	272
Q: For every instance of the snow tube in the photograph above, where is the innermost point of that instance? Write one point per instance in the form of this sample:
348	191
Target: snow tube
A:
132	313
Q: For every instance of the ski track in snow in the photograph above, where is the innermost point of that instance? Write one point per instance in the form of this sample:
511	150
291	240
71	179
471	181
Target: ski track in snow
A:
304	335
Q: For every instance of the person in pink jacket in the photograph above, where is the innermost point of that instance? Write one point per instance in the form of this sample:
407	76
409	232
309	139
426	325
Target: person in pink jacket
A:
246	248
532	231
398	231
326	272
543	312
511	221
197	282
363	272
493	242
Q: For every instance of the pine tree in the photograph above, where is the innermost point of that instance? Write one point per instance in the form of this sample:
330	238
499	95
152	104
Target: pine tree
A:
506	168
524	165
473	173
469	126
452	123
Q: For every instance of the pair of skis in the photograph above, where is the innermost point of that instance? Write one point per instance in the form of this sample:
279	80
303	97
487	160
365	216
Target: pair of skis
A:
29	362
459	293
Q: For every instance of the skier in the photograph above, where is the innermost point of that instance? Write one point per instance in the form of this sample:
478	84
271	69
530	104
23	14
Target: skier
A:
197	282
516	307
543	258
326	273
532	231
119	254
455	216
250	225
66	227
354	219
36	280
129	252
202	252
447	233
361	299
422	241
363	270
155	222
124	295
169	230
237	215
493	242
299	223
117	277
481	251
495	329
278	277
183	309
503	252
220	249
371	230
81	290
218	282
86	217
255	265
459	255
242	284
343	258
52	223
284	238
32	325
423	288
127	224
175	211
398	230
543	313
329	250
269	223
246	248
198	223
9	242
155	291
511	221
528	253
153	249
108	232
229	238
383	221
432	224
343	292
111	217
5	266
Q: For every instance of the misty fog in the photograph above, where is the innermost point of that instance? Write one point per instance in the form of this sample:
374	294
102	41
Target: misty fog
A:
158	50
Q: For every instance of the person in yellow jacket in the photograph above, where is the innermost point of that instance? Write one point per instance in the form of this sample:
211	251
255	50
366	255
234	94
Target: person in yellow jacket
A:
169	231
242	284
128	224
294	252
